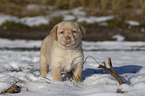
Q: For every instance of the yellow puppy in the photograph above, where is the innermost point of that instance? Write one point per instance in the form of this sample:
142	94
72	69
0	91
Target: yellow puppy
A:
62	50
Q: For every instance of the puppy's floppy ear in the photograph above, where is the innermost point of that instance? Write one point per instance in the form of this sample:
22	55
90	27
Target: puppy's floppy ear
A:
53	32
82	30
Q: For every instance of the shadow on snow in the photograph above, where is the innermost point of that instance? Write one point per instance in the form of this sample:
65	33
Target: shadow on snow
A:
119	70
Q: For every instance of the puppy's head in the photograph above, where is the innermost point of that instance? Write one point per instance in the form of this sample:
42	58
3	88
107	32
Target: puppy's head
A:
68	33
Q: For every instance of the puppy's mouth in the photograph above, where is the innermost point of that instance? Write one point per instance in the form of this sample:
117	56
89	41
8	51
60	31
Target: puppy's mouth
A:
69	43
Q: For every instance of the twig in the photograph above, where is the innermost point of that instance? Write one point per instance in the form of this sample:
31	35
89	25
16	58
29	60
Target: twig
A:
92	58
104	63
12	89
112	72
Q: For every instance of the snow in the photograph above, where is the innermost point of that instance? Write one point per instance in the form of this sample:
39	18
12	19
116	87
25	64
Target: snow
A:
34	7
35	21
19	43
113	46
76	14
127	58
4	18
78	11
29	21
37	7
133	23
69	17
92	19
119	37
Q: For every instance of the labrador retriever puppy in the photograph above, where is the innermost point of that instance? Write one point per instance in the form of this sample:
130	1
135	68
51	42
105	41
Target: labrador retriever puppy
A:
62	51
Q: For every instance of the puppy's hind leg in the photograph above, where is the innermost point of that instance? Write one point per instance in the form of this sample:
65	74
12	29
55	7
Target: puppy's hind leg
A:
43	66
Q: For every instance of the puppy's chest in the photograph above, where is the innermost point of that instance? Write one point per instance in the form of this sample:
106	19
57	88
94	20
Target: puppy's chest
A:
69	60
69	57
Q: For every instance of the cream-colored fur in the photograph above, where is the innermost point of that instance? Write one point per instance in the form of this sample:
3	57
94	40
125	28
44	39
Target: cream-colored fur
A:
62	51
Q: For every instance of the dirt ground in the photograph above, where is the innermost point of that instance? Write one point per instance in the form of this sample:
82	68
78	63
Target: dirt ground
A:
94	33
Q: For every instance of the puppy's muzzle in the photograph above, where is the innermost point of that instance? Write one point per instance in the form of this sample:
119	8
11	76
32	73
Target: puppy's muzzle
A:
68	39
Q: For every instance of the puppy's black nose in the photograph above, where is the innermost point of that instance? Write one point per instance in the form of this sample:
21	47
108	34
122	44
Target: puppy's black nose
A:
68	39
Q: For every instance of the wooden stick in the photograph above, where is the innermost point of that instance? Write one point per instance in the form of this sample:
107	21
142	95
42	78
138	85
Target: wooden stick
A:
110	64
104	64
12	89
112	72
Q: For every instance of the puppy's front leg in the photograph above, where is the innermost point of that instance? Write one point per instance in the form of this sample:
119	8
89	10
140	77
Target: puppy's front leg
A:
77	73
43	66
56	73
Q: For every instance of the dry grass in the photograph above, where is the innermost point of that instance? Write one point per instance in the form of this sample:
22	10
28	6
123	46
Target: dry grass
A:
123	8
142	4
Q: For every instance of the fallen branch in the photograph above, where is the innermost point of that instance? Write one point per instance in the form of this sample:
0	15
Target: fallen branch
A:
112	72
12	89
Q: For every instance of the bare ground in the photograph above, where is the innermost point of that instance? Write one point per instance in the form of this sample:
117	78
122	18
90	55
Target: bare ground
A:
94	33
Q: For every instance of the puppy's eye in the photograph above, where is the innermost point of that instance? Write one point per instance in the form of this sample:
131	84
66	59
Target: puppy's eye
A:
74	31
61	32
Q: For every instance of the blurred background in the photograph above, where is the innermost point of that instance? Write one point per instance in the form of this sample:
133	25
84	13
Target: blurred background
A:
103	19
